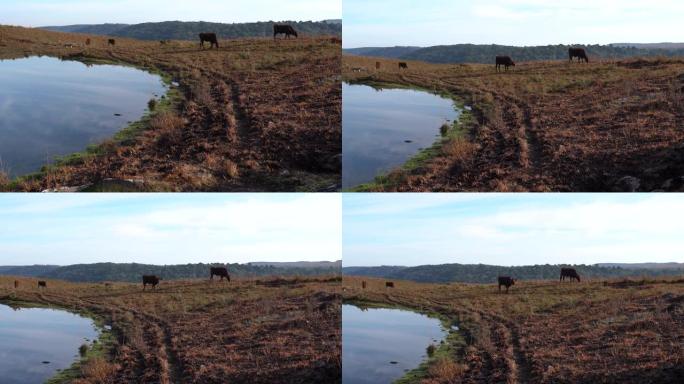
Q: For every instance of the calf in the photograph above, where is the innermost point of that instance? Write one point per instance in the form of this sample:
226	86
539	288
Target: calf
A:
504	61
506	281
570	273
389	284
153	280
42	284
219	271
403	65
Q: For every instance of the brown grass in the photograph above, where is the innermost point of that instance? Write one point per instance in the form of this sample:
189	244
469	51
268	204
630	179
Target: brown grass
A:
271	108
197	331
626	331
552	126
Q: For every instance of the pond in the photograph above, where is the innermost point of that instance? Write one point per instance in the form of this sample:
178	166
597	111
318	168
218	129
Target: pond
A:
383	128
380	345
50	107
36	342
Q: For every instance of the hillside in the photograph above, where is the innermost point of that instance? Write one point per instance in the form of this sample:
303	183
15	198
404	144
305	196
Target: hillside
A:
131	272
480	273
484	54
180	30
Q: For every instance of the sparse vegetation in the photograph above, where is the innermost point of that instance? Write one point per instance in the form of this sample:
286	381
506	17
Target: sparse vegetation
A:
198	331
544	331
611	125
272	108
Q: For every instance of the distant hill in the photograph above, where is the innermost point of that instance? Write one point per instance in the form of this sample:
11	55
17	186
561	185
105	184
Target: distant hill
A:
481	273
181	30
643	265
300	264
131	272
651	45
485	54
388	52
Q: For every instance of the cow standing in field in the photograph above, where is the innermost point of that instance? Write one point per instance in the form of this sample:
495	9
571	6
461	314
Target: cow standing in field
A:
504	61
219	271
111	42
403	66
570	273
153	280
506	281
284	29
579	53
209	38
42	284
389	284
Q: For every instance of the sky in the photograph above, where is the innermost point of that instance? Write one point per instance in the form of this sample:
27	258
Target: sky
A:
35	13
371	23
66	229
511	229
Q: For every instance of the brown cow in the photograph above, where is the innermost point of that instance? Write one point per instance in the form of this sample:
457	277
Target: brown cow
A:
504	61
377	65
403	65
363	284
389	284
570	273
579	53
42	284
209	38
153	280
111	42
284	29
219	271
506	281
88	41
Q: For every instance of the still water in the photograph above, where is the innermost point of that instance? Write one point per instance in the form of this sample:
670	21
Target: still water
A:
50	107
380	345
382	129
36	342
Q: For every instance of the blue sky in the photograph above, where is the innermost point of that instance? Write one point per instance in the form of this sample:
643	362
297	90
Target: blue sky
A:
34	13
511	229
510	22
168	228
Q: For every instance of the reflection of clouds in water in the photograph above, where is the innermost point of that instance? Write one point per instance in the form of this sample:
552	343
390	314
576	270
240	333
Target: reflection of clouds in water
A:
52	107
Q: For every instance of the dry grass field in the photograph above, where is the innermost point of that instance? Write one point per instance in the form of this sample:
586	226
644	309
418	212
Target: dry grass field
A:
254	115
246	331
548	126
615	331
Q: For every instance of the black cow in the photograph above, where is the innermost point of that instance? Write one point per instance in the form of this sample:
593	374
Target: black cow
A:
150	279
579	53
42	284
111	42
403	66
389	284
504	61
219	271
284	29
506	281
570	273
209	38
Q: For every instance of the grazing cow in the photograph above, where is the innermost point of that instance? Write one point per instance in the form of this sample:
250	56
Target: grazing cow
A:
42	284
504	61
389	284
363	284
16	284
209	38
377	65
219	271
506	281
579	53
111	42
570	273
403	66
284	29
153	280
88	41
